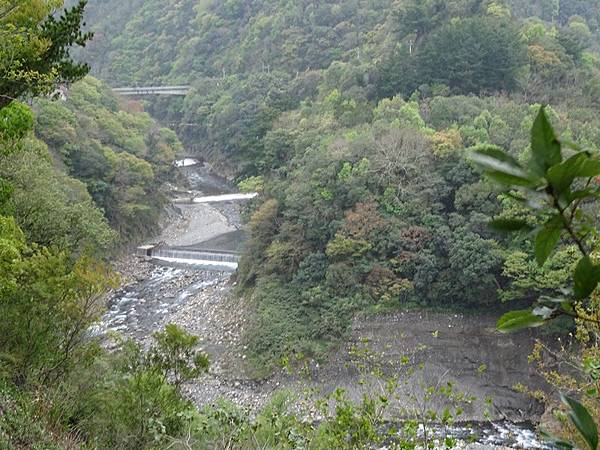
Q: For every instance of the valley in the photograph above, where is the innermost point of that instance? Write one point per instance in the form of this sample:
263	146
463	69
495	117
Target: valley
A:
452	348
275	224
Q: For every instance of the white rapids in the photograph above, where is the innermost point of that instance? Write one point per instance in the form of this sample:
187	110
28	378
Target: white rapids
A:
217	198
187	162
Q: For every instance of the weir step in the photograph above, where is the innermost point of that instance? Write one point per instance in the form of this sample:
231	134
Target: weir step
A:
195	255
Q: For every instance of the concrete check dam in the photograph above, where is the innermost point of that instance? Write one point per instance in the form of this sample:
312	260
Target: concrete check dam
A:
202	255
206	259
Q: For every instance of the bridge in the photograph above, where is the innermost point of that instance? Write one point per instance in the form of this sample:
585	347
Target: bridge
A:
153	90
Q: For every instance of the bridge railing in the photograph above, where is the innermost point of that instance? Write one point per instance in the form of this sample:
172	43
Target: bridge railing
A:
153	90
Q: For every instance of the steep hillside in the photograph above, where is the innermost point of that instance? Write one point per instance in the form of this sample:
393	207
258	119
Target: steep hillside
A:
354	118
94	162
251	61
164	41
121	154
247	61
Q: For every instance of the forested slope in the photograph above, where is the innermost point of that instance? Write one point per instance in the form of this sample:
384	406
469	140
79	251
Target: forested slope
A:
121	154
94	165
249	61
188	39
354	118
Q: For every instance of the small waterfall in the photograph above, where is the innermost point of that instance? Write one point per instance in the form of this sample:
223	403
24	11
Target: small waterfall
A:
199	255
217	198
220	260
187	162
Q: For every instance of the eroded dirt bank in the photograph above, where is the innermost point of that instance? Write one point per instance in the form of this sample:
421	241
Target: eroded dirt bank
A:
465	350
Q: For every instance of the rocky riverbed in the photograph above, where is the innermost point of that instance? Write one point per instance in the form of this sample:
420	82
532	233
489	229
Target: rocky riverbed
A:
451	348
463	350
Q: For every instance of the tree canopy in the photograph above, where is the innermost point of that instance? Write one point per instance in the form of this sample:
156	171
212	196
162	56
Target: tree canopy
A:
35	47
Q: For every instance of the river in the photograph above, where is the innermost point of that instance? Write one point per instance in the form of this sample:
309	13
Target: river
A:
199	299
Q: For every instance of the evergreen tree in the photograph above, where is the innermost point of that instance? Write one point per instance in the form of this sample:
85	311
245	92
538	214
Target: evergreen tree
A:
35	48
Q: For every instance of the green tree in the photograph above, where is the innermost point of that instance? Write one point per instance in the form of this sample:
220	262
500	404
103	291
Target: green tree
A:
48	304
175	356
137	402
35	46
421	17
472	56
52	208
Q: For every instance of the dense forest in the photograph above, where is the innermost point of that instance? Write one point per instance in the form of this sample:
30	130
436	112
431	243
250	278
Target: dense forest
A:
372	130
354	119
90	178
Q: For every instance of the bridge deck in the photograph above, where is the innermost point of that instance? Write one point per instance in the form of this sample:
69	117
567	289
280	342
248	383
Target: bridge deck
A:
153	90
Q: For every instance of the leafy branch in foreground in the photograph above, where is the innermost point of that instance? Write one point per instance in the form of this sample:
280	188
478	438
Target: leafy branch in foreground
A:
555	184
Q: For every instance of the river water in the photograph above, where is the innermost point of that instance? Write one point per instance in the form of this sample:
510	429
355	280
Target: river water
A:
139	309
200	301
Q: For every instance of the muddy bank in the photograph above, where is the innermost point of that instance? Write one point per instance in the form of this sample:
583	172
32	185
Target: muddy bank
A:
465	350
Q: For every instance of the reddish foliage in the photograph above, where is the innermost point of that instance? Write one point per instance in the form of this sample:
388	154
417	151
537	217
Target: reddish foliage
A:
414	238
363	221
379	276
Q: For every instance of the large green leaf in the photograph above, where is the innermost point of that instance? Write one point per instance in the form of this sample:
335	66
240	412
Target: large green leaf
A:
510	179
502	167
591	168
545	147
496	153
517	320
547	238
496	160
582	420
562	175
581	194
586	278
